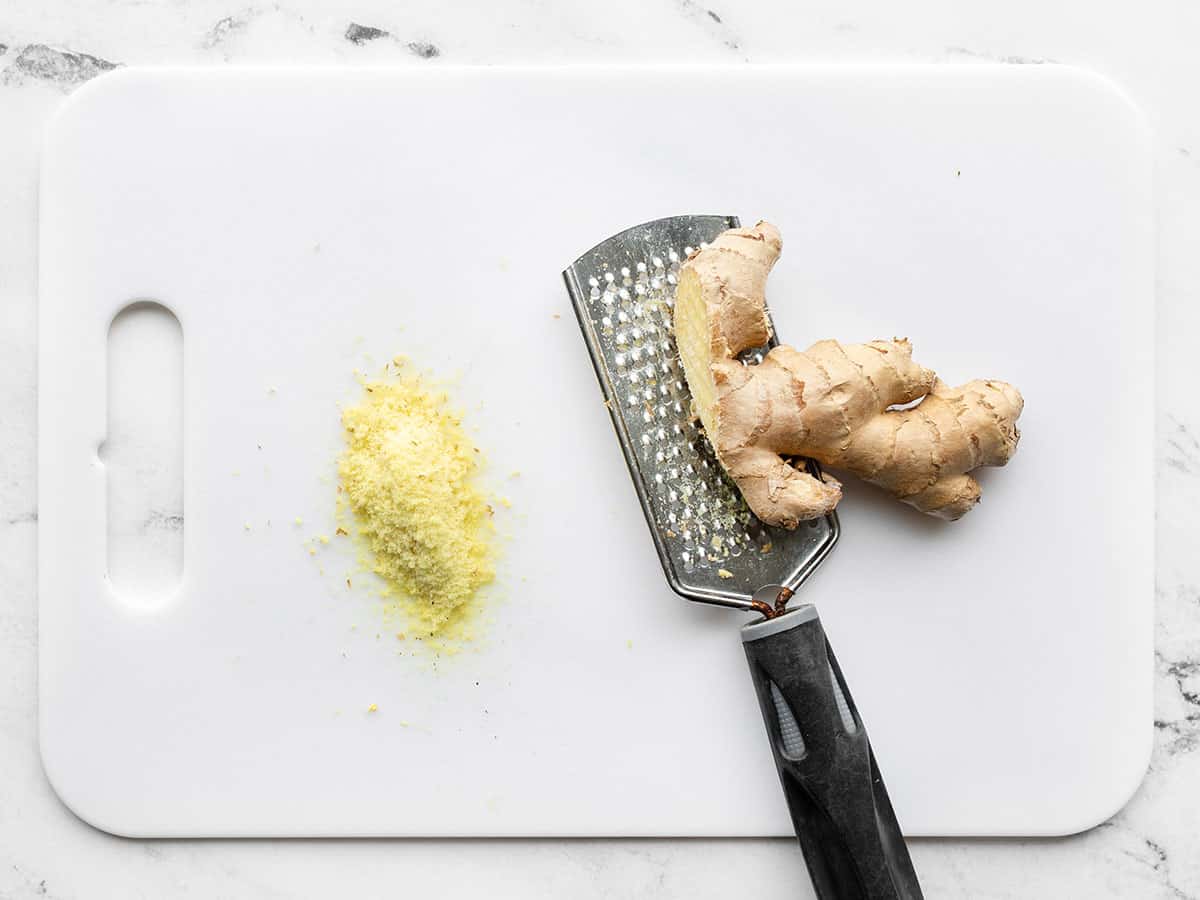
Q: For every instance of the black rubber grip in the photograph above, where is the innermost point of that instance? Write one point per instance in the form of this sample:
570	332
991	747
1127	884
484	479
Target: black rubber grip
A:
840	808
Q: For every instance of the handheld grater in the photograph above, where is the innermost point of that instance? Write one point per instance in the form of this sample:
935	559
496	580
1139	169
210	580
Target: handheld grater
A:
713	550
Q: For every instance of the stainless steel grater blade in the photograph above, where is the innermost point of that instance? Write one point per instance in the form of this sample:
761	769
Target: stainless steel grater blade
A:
711	546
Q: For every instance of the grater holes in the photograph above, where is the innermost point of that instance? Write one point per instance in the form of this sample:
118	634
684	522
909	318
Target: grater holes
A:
690	492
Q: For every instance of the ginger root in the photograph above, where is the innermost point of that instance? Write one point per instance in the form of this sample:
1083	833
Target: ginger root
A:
832	403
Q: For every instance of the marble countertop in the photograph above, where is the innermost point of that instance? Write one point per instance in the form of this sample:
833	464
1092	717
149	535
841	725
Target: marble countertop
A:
49	47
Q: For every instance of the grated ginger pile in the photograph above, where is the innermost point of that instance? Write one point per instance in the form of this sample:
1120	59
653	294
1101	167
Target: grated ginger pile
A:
408	475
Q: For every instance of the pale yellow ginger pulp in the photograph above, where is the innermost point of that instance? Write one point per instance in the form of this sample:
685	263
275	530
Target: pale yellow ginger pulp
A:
408	475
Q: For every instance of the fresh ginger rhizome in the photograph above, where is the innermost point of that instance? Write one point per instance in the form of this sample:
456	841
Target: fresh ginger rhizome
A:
832	403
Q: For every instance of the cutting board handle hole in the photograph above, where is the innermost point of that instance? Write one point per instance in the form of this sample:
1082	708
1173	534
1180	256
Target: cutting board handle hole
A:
142	454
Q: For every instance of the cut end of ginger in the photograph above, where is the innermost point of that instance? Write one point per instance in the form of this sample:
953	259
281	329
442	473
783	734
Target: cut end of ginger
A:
694	341
720	311
408	473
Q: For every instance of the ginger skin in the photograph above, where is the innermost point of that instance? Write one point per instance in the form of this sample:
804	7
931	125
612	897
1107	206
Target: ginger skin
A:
830	403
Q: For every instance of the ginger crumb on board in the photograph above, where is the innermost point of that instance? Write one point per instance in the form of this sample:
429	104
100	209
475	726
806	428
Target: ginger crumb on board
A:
724	573
297	521
409	476
373	708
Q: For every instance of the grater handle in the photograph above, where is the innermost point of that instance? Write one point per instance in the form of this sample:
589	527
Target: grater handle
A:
844	820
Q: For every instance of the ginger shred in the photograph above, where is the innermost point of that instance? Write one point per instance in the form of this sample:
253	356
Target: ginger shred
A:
409	473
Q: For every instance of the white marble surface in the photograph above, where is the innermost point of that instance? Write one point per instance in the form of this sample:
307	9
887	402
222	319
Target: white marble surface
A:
1150	850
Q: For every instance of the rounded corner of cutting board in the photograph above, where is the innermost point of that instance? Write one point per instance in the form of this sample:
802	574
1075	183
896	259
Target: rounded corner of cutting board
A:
87	94
61	776
1119	790
1111	96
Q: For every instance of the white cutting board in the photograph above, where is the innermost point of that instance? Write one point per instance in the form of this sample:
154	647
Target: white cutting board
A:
295	220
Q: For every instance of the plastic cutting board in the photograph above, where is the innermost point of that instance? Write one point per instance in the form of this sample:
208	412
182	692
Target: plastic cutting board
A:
297	221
